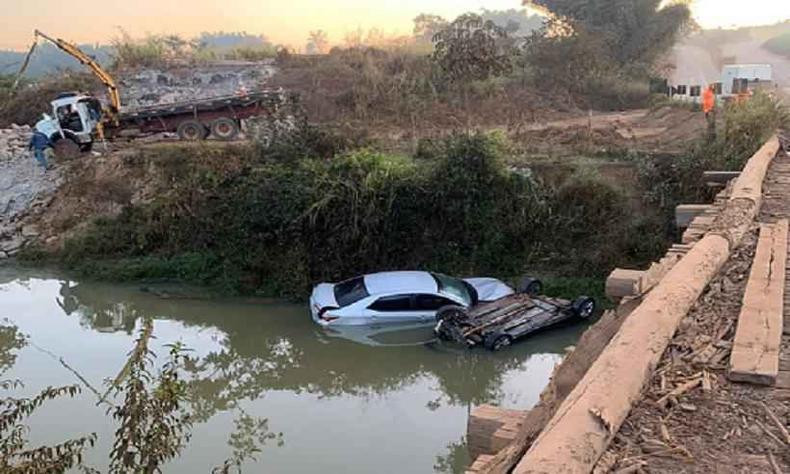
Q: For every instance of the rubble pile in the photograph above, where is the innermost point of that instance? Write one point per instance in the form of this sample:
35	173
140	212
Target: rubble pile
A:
14	141
24	187
155	87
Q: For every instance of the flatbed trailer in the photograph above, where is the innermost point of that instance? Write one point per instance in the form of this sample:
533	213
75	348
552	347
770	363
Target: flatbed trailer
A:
196	119
498	324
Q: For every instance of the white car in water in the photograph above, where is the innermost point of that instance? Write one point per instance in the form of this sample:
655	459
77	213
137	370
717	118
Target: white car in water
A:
398	297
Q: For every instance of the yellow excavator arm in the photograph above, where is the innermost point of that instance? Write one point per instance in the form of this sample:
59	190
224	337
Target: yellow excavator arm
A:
72	50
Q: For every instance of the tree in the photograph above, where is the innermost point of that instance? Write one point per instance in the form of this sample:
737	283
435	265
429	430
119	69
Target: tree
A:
634	31
317	42
427	25
472	49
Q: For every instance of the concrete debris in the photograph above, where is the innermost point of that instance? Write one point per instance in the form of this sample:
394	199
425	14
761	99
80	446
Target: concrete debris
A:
23	186
155	87
14	141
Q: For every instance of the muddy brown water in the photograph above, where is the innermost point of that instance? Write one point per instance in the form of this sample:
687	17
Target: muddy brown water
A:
357	402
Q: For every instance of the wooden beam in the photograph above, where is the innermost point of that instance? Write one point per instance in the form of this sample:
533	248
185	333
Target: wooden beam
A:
623	283
491	428
758	337
588	419
720	177
685	213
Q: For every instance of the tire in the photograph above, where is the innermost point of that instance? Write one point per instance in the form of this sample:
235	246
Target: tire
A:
191	131
530	286
225	129
451	322
66	149
451	313
583	307
497	341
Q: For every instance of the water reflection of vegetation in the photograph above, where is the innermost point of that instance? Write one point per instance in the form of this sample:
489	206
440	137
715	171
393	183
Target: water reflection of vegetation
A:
276	347
151	410
15	455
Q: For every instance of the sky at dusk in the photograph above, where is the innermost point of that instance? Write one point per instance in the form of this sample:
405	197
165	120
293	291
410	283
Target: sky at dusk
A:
287	22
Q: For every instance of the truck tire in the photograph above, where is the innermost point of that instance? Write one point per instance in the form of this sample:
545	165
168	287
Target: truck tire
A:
583	307
191	130
66	148
225	129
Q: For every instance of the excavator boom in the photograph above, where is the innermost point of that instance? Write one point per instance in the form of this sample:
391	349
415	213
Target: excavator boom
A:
79	55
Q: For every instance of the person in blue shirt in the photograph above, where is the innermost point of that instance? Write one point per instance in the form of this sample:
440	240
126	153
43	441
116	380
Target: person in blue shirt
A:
40	141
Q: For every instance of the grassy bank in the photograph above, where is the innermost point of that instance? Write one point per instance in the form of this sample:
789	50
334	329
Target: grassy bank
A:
276	227
311	206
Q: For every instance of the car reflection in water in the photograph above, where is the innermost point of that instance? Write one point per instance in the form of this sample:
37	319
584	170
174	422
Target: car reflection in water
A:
275	346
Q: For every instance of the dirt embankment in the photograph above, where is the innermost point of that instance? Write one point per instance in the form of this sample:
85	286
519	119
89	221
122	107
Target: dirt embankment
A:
101	186
666	129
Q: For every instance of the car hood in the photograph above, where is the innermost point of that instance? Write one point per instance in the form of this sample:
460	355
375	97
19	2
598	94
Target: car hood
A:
489	289
324	295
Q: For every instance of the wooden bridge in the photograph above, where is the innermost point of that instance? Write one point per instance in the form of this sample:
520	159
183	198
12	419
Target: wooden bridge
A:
691	372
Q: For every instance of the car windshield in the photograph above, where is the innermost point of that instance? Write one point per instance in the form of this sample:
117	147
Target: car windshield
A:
350	291
454	287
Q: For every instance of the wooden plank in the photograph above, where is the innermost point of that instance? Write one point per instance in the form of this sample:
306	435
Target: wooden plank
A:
686	213
491	428
719	177
623	283
755	352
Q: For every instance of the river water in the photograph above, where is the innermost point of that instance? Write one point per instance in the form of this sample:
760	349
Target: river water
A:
345	403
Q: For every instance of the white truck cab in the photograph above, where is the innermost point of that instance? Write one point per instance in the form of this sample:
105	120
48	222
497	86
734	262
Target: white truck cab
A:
75	117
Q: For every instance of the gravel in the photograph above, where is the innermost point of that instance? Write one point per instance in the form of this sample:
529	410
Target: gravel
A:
24	185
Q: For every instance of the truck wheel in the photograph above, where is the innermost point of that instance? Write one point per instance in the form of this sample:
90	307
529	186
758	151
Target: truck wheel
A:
66	149
530	286
583	307
191	131
497	341
225	129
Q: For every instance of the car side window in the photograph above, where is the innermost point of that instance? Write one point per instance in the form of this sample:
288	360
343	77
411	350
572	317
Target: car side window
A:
431	302
392	303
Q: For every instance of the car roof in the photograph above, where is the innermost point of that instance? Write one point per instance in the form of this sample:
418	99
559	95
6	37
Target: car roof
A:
400	282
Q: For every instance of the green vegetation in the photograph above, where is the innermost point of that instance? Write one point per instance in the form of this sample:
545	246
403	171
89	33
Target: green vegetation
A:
277	227
672	180
153	415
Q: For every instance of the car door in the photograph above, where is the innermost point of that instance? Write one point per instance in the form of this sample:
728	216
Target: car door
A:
393	308
426	305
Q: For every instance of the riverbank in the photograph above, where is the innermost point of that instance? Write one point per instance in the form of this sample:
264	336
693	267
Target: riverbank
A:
236	218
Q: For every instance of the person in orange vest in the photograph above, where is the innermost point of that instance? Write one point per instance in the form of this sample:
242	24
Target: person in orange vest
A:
709	107
708	101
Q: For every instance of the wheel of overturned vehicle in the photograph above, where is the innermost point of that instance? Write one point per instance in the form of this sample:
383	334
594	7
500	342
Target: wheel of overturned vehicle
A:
451	313
191	131
530	286
225	129
497	341
66	148
583	307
